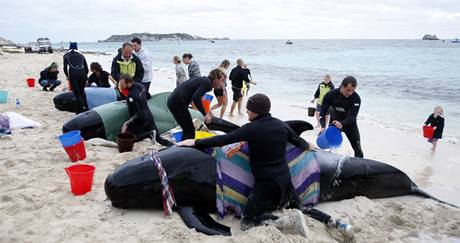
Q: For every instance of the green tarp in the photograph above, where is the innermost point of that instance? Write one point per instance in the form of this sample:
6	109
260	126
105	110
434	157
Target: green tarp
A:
114	114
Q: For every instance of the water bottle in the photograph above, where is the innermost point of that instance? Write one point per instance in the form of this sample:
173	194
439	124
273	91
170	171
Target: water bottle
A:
18	104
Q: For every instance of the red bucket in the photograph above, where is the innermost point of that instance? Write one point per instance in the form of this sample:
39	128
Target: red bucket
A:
76	152
81	178
31	82
428	131
206	105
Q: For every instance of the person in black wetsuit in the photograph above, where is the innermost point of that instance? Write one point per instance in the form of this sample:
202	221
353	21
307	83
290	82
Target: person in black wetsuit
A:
193	90
238	75
99	76
345	103
267	138
76	70
436	120
141	123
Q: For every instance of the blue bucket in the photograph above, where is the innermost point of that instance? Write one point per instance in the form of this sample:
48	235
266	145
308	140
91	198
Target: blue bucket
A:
70	138
3	97
177	136
331	138
208	97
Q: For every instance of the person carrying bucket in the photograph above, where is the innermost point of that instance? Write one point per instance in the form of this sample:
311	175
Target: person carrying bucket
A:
436	121
345	103
323	88
190	91
141	123
76	70
267	138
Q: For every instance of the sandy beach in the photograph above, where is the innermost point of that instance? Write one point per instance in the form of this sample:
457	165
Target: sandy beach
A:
36	204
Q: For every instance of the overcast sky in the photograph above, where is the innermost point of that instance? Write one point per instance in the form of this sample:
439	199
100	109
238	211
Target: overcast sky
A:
81	20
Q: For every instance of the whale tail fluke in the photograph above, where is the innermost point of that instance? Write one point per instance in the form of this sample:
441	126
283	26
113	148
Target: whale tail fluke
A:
417	191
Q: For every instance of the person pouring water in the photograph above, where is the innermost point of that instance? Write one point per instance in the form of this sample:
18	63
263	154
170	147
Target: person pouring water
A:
345	103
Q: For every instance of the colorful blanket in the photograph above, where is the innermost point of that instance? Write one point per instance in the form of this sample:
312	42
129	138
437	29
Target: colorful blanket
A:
235	180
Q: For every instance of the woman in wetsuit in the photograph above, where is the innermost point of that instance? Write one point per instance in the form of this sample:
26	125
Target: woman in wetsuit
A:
267	138
76	70
190	91
141	123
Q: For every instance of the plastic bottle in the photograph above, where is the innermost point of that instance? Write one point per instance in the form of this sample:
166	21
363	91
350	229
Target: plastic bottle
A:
18	104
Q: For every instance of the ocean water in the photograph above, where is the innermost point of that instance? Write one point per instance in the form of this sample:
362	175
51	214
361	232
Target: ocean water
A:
399	81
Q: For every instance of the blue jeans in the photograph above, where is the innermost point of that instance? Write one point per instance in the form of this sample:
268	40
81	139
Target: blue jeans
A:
50	83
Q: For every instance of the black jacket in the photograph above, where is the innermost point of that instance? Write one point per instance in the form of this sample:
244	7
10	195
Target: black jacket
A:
437	122
139	73
75	65
138	107
47	75
101	81
238	75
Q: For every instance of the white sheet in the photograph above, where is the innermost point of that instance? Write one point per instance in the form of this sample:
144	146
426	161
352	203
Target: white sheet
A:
20	121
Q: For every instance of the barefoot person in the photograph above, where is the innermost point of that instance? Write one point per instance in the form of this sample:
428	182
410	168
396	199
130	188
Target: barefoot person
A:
345	103
436	120
193	67
221	94
190	91
76	70
49	77
267	138
238	75
323	88
181	76
141	124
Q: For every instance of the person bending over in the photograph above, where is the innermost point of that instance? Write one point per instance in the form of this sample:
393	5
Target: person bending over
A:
76	70
99	76
141	124
193	90
345	103
267	138
49	77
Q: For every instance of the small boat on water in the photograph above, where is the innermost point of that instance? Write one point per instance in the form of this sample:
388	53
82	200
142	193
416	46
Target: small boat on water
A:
456	41
289	42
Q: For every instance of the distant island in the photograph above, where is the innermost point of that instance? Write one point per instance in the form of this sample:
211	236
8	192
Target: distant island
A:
430	37
157	37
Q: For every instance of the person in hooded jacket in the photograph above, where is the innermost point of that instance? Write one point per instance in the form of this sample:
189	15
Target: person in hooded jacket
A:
76	70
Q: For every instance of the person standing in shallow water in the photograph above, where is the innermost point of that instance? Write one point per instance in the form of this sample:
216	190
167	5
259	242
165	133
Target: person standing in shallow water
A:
238	75
267	138
193	67
436	120
221	94
181	76
345	103
76	70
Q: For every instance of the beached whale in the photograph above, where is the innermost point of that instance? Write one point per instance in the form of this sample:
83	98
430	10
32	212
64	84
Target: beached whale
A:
106	121
93	97
192	175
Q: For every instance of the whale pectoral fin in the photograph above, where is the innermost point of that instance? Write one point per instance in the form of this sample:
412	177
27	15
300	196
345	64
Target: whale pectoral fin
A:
202	222
299	126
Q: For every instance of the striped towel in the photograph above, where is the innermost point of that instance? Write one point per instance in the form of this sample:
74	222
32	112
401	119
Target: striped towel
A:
235	180
168	195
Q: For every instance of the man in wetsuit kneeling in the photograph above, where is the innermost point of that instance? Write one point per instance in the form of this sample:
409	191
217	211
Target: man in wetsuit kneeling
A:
267	138
345	103
141	124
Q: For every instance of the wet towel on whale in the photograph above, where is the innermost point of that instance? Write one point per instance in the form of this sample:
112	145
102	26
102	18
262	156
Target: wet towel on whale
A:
235	180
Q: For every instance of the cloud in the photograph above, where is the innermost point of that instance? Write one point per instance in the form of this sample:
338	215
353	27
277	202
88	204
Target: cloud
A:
87	20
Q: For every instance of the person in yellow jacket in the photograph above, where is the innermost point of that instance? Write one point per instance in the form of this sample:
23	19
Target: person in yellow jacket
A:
323	88
128	63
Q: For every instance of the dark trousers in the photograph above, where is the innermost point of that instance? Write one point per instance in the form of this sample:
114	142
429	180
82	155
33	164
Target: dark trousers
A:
352	133
78	82
182	116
